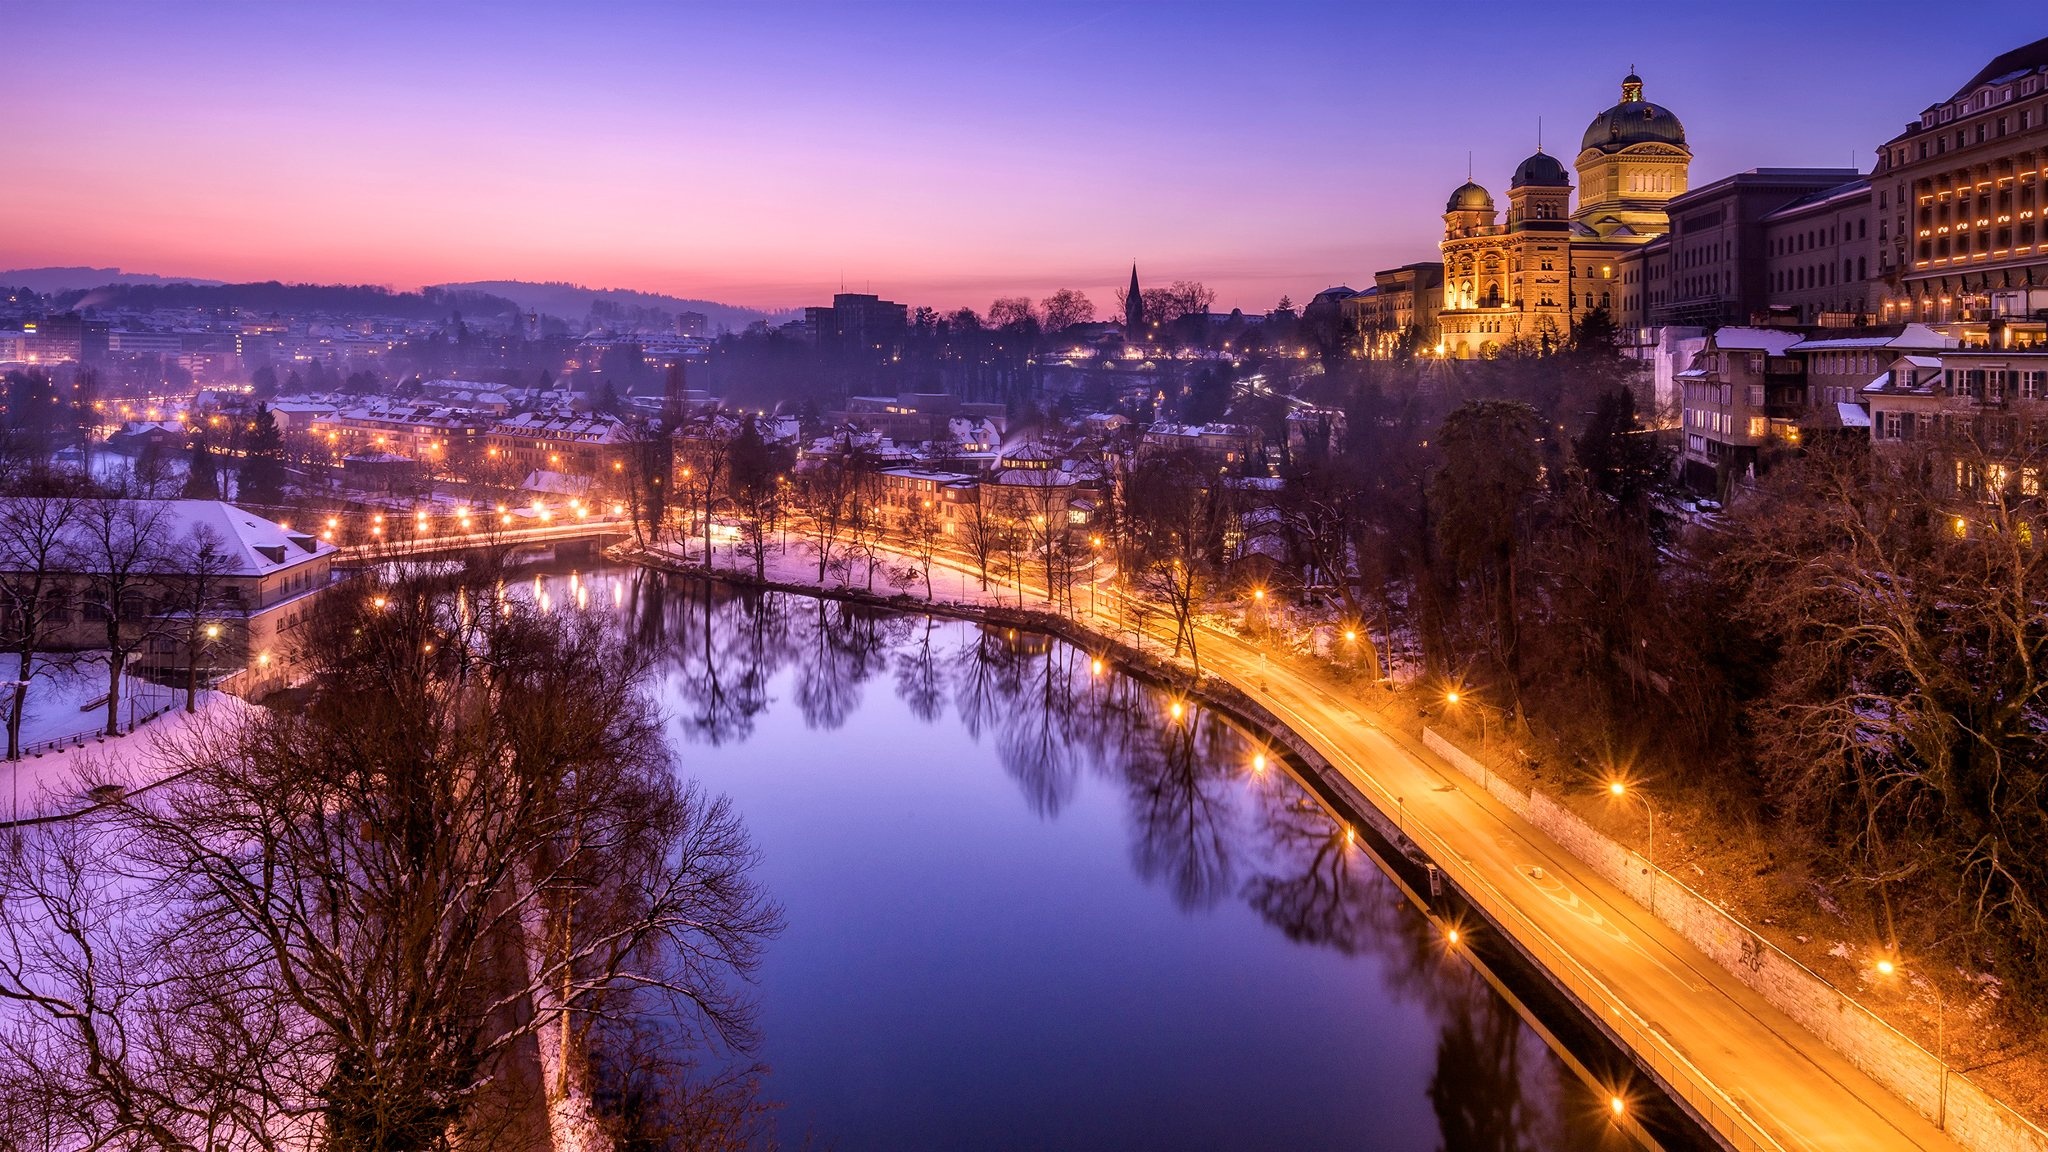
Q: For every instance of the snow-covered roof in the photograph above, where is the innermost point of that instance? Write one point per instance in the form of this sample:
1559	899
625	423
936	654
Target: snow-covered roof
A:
555	483
253	546
556	426
258	546
1921	336
1739	339
1852	414
1841	343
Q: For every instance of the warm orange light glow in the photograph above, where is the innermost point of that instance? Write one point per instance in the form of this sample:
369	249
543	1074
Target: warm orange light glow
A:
1258	762
1886	967
1615	1105
1451	935
1618	788
1178	709
1451	697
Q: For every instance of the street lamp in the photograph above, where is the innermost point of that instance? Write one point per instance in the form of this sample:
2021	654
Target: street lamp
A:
1456	696
1621	788
1888	967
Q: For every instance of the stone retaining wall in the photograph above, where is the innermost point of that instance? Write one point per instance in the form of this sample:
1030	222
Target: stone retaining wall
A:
1976	1120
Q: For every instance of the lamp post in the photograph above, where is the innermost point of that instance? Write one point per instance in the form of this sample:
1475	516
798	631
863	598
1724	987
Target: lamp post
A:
1888	967
1621	788
1455	697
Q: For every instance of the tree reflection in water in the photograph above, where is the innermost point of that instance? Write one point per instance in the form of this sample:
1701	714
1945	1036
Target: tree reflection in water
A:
1204	825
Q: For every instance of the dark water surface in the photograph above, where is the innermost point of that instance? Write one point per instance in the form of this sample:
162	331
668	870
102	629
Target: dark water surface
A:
1029	909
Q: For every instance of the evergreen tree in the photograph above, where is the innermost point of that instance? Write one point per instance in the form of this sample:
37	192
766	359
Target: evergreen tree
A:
261	480
1621	458
202	480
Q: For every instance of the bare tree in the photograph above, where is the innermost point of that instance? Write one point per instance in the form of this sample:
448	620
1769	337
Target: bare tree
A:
360	923
1173	536
921	535
1905	596
122	551
828	485
983	534
1008	311
755	480
1066	308
36	536
195	586
706	454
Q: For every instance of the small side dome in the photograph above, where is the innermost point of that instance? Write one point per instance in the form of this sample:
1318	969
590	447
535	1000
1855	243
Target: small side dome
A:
1540	171
1469	197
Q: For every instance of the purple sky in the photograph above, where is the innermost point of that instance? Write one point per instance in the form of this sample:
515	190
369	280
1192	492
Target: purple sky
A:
940	154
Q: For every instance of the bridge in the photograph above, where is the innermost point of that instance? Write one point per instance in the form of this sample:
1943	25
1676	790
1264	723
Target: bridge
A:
427	543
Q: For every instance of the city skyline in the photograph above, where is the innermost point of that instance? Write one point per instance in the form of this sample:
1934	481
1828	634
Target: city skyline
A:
936	156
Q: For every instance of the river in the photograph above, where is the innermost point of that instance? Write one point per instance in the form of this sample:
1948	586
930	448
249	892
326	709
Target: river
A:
1029	907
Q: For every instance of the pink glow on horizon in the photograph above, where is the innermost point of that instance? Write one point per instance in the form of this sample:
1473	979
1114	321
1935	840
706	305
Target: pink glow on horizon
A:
938	155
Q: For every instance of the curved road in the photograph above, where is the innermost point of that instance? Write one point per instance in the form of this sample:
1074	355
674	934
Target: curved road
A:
1773	1079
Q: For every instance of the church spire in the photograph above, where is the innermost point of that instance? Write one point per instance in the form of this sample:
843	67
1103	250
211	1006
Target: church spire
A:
1134	305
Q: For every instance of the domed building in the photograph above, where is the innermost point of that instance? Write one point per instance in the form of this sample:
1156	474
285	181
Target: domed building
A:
1533	276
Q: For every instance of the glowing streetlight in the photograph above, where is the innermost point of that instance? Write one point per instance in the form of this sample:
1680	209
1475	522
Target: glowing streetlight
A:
1616	1105
1258	761
1620	788
1178	709
1451	697
213	631
1888	967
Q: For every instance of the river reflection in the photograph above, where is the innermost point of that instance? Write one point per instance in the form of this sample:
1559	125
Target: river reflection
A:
1164	946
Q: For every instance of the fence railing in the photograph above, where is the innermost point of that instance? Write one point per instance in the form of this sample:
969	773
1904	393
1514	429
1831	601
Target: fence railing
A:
144	705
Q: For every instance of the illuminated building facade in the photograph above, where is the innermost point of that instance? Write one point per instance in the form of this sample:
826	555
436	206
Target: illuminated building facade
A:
1532	277
1962	199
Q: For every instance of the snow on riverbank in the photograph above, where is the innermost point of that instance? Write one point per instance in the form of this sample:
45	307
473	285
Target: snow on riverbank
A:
57	781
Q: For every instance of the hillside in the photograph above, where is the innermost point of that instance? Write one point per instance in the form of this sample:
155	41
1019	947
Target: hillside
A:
572	302
48	280
294	299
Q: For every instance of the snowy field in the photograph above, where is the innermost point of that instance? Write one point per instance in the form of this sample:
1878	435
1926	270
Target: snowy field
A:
60	692
59	780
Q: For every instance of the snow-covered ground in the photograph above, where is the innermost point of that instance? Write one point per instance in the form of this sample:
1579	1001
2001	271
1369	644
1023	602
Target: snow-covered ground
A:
61	690
57	781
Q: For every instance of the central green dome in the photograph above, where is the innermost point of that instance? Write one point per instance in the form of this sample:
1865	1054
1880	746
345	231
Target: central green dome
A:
1633	121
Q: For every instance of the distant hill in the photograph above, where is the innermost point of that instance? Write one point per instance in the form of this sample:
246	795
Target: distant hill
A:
572	302
47	280
295	299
